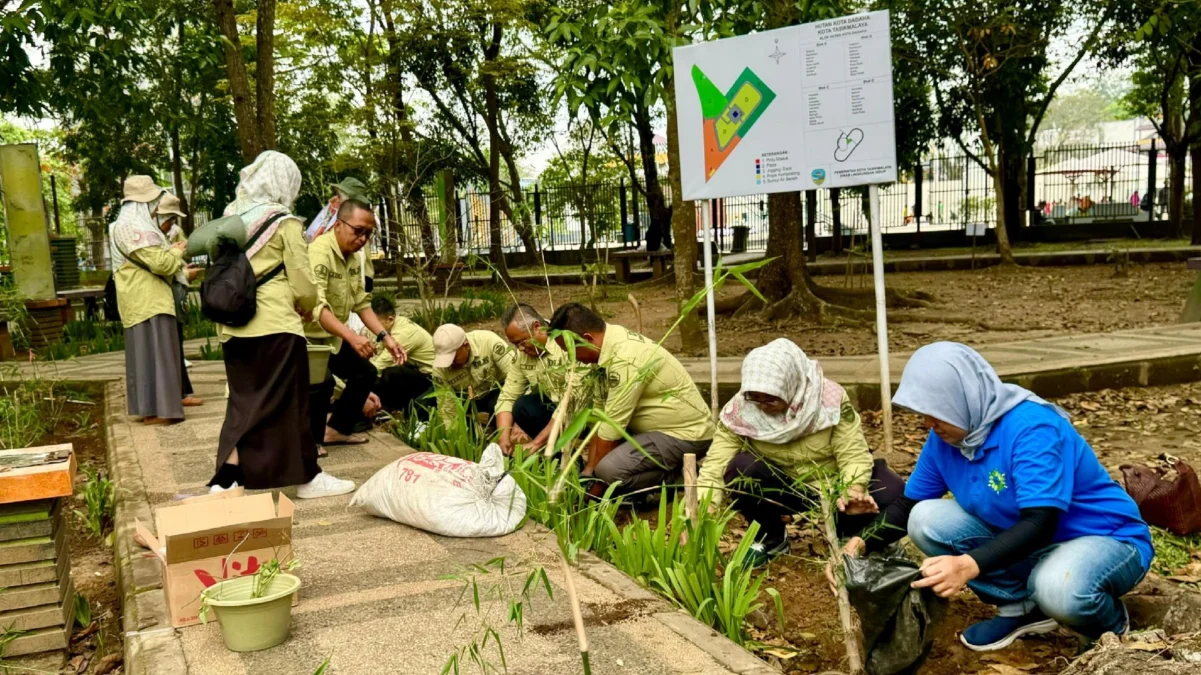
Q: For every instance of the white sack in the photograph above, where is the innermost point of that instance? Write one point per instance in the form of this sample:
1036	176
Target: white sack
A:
446	495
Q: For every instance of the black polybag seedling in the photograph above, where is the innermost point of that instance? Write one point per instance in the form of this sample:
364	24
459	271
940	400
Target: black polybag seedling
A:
898	622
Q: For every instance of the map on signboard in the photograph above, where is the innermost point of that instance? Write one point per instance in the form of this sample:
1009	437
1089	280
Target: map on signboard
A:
789	109
730	116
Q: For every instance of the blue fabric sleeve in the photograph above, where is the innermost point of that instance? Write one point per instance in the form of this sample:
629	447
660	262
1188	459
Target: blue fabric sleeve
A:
1042	475
926	481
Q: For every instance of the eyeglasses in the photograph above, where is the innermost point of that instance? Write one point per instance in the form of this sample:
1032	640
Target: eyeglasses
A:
358	232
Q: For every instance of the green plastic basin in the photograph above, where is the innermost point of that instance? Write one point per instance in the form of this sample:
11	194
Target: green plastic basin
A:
252	624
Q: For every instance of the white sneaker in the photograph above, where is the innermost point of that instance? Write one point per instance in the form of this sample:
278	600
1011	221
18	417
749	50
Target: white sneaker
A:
187	363
217	489
324	485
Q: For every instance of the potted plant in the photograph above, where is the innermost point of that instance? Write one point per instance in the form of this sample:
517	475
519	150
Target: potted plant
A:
255	611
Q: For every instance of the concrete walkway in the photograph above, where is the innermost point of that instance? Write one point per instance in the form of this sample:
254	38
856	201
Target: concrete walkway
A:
375	597
1051	366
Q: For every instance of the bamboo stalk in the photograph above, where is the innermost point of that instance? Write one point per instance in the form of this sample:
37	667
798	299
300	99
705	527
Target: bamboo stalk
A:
637	310
690	496
849	630
577	616
556	421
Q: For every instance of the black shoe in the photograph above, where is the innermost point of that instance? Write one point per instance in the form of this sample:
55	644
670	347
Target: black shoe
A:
759	554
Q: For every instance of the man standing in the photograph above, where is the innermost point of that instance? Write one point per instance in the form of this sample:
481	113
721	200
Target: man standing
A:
403	387
648	392
349	189
472	364
535	382
337	272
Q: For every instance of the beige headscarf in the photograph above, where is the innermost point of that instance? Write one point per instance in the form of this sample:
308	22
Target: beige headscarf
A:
267	187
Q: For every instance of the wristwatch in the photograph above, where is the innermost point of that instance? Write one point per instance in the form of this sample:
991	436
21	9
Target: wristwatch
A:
379	337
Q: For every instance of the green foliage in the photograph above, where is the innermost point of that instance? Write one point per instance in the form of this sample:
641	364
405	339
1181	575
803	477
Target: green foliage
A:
28	411
83	611
14	313
83	337
450	431
210	353
1173	552
267	573
324	667
7	636
99	498
476	306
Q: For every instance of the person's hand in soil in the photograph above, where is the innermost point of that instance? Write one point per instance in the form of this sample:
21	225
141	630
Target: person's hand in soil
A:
854	548
857	502
947	575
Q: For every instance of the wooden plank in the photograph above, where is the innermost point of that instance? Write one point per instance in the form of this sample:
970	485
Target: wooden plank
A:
38	482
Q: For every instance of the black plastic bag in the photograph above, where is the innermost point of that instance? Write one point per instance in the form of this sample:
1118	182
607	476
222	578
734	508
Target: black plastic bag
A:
898	622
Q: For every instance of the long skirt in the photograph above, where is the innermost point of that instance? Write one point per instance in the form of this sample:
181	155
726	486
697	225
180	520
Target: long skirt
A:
153	368
267	416
187	381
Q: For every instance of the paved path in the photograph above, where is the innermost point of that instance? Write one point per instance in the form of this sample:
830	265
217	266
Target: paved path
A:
375	598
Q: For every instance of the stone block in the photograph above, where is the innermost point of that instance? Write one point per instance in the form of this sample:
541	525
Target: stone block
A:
716	645
28	520
60	613
32	549
44	640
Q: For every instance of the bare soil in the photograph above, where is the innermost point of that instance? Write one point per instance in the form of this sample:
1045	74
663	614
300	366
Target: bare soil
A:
1009	303
1125	426
98	647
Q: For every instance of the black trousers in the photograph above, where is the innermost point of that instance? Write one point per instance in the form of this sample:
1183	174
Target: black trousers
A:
405	388
359	376
183	368
532	412
765	493
486	403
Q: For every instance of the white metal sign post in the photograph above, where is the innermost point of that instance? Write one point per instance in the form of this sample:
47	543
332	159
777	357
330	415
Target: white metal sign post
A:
800	108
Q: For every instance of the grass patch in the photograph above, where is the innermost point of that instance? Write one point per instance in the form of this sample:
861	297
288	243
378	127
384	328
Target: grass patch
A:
476	306
1173	552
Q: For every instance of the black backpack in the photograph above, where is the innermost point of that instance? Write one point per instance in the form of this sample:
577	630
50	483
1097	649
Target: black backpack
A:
229	295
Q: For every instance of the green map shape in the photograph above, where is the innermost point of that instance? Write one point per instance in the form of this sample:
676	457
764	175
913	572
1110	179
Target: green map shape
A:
714	103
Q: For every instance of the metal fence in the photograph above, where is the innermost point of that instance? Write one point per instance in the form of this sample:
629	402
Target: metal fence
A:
1064	185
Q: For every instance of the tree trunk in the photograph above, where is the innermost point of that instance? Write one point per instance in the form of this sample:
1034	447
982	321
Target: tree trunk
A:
1195	154
836	217
1000	230
683	225
660	214
1176	168
519	212
496	193
177	180
1013	166
264	80
811	224
239	86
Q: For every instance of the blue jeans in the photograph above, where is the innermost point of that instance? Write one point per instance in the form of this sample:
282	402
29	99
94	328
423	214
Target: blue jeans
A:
1078	582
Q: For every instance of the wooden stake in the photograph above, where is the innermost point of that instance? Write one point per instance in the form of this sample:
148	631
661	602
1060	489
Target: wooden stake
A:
637	310
577	616
556	426
690	497
849	630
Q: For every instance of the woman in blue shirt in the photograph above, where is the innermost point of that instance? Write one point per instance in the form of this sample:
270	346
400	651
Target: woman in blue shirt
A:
1036	527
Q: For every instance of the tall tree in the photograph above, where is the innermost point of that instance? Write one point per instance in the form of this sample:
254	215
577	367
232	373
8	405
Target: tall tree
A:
991	67
255	115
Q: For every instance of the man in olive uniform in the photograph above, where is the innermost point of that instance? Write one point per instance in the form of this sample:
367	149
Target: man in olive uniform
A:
471	366
337	273
648	392
403	387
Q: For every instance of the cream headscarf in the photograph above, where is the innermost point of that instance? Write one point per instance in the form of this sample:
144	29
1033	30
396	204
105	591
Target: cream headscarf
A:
133	229
781	369
267	187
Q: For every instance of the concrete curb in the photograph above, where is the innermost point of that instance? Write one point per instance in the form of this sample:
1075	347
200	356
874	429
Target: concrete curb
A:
152	646
723	650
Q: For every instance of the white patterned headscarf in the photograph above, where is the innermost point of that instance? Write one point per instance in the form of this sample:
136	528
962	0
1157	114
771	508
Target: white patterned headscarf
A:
781	369
133	229
268	186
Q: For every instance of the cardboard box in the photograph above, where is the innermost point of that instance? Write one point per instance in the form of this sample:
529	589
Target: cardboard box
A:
205	540
38	482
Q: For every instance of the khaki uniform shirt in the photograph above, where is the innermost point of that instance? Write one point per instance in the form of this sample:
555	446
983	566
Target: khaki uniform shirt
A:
490	359
647	389
546	376
339	281
141	294
841	449
418	344
278	298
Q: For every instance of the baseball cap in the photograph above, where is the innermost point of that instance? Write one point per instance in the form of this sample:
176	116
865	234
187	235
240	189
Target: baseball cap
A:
447	340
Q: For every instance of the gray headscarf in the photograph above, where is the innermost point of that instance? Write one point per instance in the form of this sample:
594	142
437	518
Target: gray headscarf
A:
953	383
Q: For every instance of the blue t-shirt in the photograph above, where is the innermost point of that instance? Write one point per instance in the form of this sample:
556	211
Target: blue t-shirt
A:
1032	458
